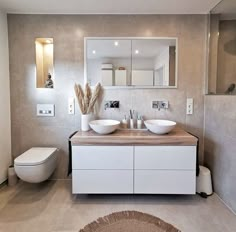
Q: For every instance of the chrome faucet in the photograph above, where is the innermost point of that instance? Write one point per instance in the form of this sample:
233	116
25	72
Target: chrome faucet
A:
160	105
111	104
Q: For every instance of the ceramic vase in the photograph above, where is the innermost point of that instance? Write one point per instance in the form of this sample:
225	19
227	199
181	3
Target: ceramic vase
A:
85	119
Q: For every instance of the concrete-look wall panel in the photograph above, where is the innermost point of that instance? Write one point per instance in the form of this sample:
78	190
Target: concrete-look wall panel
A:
68	32
220	149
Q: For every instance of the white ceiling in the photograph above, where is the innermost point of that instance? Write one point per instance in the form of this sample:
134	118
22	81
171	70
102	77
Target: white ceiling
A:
108	6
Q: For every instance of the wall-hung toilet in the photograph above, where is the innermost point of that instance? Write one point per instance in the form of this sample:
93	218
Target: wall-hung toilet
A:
36	165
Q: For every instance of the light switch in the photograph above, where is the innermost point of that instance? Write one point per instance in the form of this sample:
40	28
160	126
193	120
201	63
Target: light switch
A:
45	110
71	105
189	106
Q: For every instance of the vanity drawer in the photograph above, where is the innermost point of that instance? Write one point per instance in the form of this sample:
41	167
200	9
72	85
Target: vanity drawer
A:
164	182
102	181
102	157
165	157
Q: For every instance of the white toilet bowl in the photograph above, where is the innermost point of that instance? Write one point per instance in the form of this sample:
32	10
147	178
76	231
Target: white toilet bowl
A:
36	165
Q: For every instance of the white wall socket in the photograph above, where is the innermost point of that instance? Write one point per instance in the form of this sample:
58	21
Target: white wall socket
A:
71	105
189	106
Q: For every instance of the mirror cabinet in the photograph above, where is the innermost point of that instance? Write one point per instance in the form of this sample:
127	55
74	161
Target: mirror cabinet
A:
131	62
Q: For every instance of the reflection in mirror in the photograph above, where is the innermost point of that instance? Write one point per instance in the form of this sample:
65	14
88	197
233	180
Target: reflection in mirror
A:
222	49
131	62
44	62
108	61
153	62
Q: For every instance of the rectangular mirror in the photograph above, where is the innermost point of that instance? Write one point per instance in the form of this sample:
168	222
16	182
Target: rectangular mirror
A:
154	62
222	49
44	63
131	62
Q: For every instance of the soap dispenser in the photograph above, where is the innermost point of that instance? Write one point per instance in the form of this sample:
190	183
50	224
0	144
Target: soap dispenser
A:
139	122
124	123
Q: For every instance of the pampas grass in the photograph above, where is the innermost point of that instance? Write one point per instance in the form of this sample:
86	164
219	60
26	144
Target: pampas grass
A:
94	97
79	98
87	95
86	99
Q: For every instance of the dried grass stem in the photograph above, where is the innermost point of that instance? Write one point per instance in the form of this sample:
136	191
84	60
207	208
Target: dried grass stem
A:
86	99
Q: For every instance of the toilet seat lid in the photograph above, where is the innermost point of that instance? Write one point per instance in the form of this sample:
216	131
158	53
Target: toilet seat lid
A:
35	156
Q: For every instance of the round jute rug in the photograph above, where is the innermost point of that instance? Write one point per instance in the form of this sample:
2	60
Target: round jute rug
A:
129	221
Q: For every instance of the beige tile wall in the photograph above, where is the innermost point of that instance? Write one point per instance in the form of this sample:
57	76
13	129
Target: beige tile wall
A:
220	149
68	32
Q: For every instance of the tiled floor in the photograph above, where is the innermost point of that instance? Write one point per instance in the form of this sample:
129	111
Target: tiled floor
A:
50	206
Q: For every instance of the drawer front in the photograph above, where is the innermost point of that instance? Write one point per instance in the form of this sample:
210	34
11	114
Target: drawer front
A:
165	157
102	157
102	181
164	182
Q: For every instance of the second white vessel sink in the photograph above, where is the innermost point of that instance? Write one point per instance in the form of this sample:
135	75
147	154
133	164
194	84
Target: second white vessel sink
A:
160	126
104	126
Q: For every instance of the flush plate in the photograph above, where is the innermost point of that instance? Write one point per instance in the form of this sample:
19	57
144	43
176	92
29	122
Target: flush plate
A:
45	110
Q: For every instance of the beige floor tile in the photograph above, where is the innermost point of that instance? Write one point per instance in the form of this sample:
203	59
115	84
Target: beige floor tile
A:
50	206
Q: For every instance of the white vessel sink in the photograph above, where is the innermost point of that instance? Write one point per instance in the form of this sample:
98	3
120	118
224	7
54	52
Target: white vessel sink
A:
104	126
160	126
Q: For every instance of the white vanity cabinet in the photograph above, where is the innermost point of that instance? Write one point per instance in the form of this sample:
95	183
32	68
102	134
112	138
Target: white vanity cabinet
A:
138	169
165	169
102	169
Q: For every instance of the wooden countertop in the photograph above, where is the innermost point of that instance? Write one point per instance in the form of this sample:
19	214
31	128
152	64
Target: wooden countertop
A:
176	137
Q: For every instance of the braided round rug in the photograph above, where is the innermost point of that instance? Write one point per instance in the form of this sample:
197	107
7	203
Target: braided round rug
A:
129	221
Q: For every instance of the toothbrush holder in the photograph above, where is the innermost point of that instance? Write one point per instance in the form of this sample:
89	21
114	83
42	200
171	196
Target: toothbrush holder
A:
131	123
139	123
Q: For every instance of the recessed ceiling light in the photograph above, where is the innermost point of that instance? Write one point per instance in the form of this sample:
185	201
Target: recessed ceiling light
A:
136	51
94	52
116	43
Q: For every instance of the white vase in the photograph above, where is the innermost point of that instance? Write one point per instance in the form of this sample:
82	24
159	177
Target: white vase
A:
85	119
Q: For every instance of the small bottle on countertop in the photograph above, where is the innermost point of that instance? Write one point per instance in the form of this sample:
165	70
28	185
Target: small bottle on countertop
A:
139	122
124	123
131	123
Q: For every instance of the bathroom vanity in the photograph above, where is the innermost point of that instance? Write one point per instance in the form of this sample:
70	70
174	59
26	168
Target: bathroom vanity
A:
134	162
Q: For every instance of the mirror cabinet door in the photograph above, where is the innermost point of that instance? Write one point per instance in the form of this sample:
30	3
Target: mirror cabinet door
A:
154	62
44	63
108	61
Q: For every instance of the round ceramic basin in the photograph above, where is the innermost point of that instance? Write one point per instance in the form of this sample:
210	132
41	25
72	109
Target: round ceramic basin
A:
104	126
160	126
